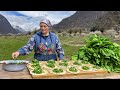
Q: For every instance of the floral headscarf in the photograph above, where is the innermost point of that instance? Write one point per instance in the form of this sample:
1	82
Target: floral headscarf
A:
46	21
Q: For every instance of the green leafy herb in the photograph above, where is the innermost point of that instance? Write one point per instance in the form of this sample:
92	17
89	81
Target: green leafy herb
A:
100	51
96	67
51	61
63	64
35	64
34	61
51	65
73	69
85	67
65	61
77	63
37	71
84	62
56	70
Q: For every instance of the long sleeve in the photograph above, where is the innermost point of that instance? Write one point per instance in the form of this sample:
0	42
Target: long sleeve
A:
28	47
59	49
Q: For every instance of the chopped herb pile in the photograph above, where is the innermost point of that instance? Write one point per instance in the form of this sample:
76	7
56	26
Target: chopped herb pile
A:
85	68
73	69
51	65
34	61
51	61
56	70
64	63
38	70
77	63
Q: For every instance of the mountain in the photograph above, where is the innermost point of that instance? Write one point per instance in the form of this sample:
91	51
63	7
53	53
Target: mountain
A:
79	19
108	21
89	19
6	27
19	29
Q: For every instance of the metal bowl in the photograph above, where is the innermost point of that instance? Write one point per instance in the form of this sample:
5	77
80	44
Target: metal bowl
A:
14	67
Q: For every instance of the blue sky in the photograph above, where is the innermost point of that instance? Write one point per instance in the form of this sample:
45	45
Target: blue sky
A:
12	13
28	20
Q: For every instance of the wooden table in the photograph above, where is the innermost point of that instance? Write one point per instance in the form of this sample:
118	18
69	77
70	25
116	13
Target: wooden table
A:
25	75
14	75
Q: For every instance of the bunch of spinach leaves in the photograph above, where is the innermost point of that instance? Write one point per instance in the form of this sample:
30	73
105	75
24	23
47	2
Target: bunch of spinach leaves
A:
100	51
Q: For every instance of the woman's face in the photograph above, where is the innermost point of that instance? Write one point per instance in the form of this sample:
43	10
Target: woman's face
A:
44	28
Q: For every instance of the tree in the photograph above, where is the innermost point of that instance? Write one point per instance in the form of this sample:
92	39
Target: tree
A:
70	31
35	31
59	31
29	33
93	29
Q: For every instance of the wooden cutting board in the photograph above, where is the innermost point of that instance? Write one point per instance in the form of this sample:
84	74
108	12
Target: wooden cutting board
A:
54	76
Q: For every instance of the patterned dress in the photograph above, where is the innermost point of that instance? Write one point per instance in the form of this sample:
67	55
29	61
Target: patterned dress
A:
45	47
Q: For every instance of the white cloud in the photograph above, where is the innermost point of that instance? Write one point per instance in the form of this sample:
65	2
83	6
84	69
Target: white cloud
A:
32	18
33	13
53	16
23	22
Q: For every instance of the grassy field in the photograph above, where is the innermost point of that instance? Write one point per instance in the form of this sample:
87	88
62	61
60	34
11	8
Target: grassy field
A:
9	44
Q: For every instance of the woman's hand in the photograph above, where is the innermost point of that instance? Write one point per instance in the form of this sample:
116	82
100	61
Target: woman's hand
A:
15	54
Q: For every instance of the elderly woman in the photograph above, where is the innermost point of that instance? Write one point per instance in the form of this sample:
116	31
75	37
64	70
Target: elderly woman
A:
46	44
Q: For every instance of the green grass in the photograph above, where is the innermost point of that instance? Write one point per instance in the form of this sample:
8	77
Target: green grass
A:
9	44
66	40
70	50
